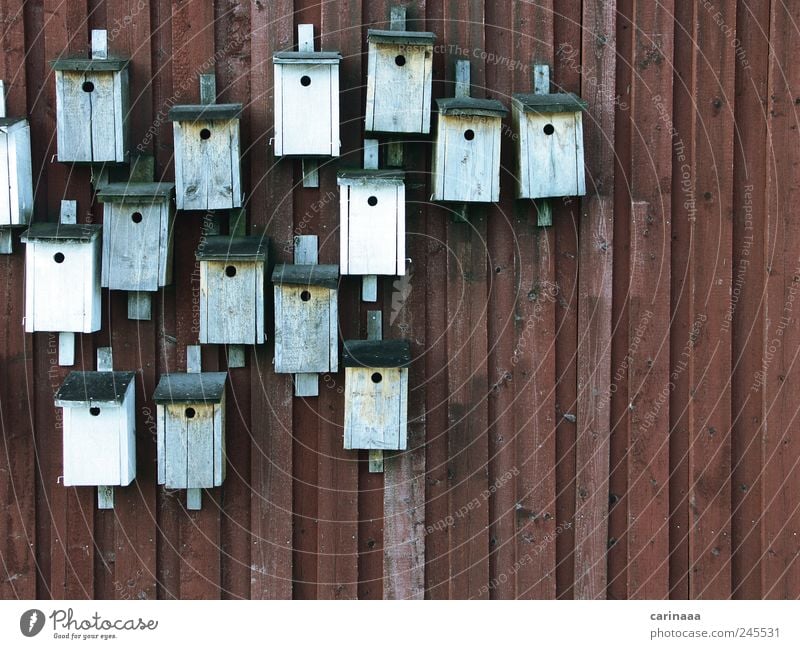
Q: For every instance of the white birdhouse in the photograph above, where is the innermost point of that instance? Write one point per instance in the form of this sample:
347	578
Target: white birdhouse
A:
549	145
232	290
16	175
99	428
306	103
92	109
207	156
399	81
376	394
190	434
62	277
466	161
372	236
306	323
137	241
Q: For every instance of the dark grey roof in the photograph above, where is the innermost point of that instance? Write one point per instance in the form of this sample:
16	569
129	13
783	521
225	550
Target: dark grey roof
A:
199	387
5	122
321	58
471	106
344	175
376	353
391	36
552	103
114	192
62	231
204	112
93	387
323	275
111	64
223	248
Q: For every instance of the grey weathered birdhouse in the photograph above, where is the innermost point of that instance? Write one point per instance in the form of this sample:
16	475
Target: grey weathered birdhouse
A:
466	161
62	277
399	81
137	241
99	428
232	290
549	132
16	175
207	156
190	430
306	103
372	236
376	394
92	109
306	323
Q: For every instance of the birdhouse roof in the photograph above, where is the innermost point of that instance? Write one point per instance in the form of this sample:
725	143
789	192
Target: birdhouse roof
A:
323	275
554	103
392	37
82	232
376	353
87	388
199	387
111	64
135	192
5	122
307	58
471	106
224	248
204	112
359	176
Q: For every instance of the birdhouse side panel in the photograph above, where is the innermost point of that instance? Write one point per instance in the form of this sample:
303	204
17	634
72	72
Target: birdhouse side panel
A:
309	123
73	118
121	112
132	245
103	101
165	248
200	448
303	318
91	448
220	452
7	180
232	302
16	175
127	436
553	155
373	408
374	212
399	88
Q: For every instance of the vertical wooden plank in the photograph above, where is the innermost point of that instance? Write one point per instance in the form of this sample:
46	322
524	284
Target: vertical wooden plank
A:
710	284
594	307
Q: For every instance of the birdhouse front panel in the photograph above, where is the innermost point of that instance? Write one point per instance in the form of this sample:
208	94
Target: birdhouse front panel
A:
306	103
232	290
16	175
207	156
92	109
372	234
137	241
399	73
376	394
191	430
466	164
62	278
99	428
306	322
549	145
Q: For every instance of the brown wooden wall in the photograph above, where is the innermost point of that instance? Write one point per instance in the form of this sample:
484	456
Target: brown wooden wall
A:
603	408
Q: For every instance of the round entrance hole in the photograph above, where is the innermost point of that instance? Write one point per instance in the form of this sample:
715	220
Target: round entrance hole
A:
87	86
230	271
377	377
305	296
469	134
372	201
305	81
136	217
58	257
190	413
549	129
94	411
400	60
205	134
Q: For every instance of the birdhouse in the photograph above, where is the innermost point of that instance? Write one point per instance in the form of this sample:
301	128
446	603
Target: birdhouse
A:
99	428
306	103
306	323
376	394
62	277
207	156
190	430
372	235
232	290
16	175
399	81
92	109
549	145
137	246
466	162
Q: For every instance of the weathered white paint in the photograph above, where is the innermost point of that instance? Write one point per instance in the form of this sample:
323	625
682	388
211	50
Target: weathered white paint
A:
303	329
372	410
231	307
